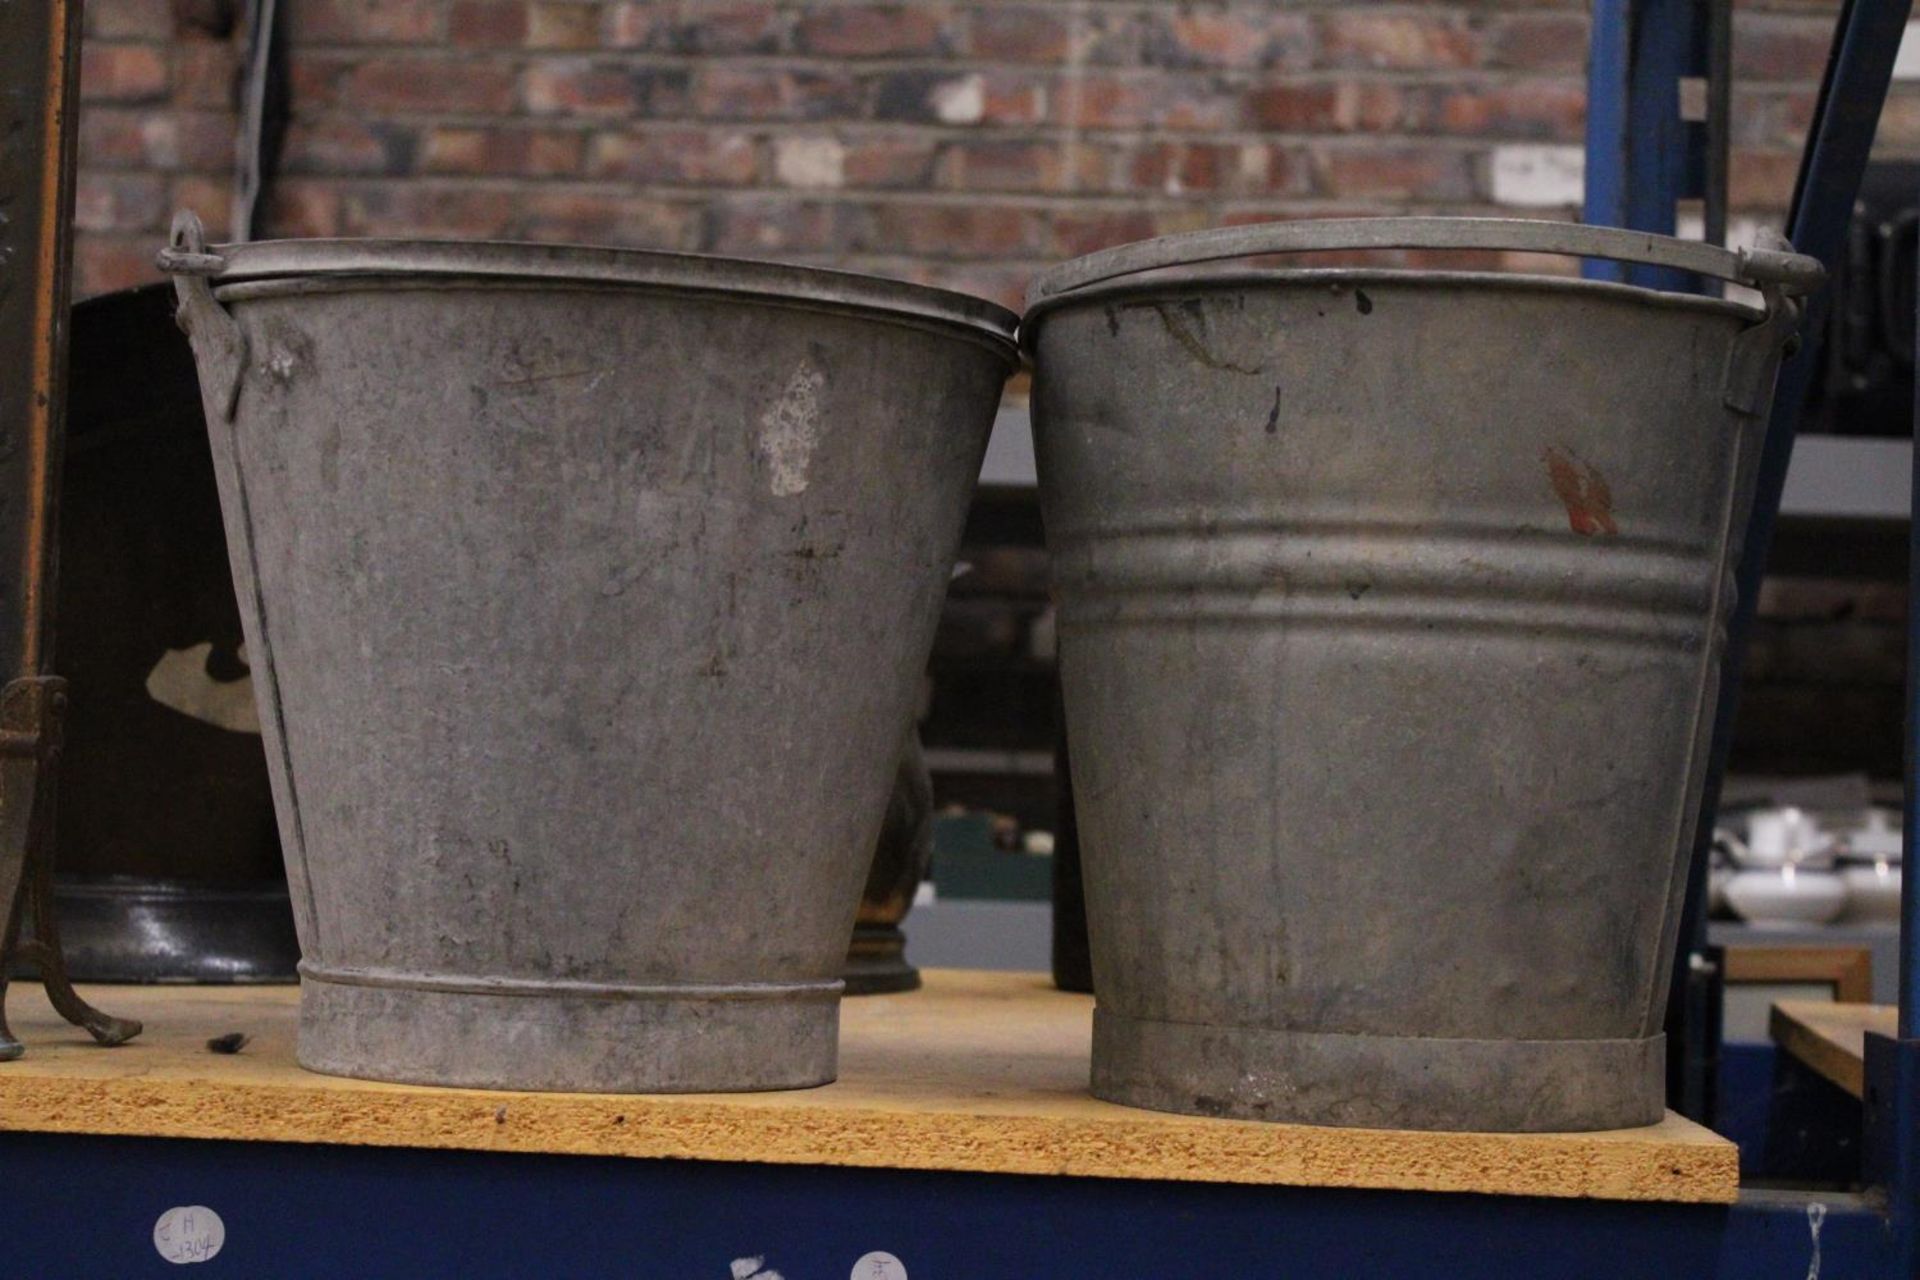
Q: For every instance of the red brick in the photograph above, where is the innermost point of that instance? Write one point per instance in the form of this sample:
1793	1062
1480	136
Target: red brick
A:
1545	109
1023	166
1761	179
301	208
129	20
1145	100
579	87
131	139
591	218
411	209
104	263
456	150
346	146
122	73
957	231
206	74
210	197
869	31
1539	42
723	91
1181	168
1002	34
1073	234
762	226
741	28
1329	106
675	156
311	22
551	152
991	97
1395	41
1110	102
112	139
487	24
1235	38
888	163
1400	172
1899	133
1289	171
1004	285
529	153
120	202
638	24
426	84
1780	48
553	24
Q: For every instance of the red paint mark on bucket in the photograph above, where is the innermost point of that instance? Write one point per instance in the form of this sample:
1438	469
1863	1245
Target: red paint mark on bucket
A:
1583	489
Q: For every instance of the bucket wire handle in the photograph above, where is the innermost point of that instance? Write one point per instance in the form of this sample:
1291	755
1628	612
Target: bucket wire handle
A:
1781	275
219	348
1771	264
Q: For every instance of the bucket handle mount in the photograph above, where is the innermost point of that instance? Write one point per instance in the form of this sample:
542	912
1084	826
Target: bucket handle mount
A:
219	347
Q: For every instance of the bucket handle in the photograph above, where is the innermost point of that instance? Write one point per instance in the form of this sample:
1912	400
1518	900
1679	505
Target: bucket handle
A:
219	348
1781	275
1772	264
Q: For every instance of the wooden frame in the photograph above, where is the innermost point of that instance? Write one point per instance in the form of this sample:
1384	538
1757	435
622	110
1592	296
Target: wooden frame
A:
1849	970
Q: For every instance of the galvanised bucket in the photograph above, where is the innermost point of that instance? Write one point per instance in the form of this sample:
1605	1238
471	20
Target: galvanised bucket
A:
1391	605
587	594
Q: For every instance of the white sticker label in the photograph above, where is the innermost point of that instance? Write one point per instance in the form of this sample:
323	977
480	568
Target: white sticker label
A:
191	1233
879	1265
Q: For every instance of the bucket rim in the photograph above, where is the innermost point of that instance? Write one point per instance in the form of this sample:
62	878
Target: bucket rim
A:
342	258
1188	279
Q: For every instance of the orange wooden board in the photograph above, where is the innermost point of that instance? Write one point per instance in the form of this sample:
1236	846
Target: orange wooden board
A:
982	1072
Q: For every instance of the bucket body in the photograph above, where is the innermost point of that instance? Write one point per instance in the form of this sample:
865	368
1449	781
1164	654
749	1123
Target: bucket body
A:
587	594
1391	605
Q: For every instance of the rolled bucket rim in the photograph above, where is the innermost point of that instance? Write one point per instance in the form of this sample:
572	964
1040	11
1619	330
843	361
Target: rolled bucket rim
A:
342	259
1190	278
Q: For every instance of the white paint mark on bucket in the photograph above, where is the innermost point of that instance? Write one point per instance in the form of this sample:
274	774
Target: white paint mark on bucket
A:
790	429
1816	1215
879	1265
189	1234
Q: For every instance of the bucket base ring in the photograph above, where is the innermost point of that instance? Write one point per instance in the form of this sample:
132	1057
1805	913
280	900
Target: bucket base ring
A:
1378	1082
654	1039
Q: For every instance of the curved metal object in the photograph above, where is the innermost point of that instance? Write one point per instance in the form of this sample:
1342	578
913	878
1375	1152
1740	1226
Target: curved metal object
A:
1390	606
123	929
877	958
1772	264
586	597
39	59
421	261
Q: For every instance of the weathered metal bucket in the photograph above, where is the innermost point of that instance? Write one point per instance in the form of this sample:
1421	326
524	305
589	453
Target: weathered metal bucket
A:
587	594
1391	605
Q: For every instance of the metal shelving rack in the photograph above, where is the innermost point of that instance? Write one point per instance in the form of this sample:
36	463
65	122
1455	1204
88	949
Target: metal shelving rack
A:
1642	159
89	1202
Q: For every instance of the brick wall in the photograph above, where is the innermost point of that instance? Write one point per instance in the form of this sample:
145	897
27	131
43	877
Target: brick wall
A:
964	143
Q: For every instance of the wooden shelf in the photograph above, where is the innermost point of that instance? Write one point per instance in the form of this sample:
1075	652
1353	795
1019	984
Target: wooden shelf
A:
1831	1037
980	1072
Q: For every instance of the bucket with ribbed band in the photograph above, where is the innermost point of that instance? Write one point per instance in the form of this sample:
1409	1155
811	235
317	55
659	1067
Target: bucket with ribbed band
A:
1391	604
587	593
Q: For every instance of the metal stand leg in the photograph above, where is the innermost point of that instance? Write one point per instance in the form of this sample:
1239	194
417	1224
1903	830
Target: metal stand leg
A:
39	58
32	715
